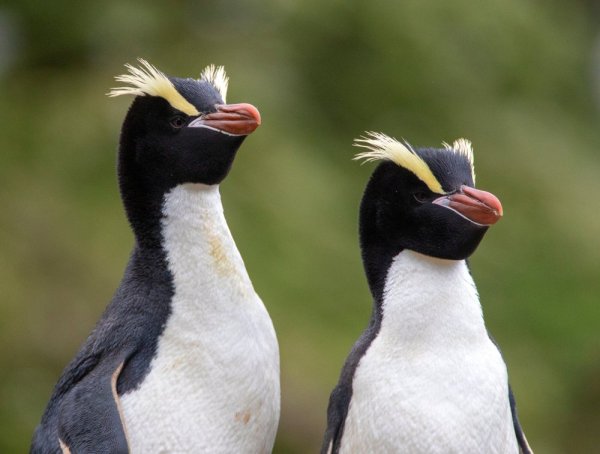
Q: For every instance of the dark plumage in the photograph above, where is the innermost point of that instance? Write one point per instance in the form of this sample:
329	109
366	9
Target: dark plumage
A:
422	201
177	132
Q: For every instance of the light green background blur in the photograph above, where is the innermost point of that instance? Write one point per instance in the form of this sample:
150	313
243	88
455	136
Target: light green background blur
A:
517	77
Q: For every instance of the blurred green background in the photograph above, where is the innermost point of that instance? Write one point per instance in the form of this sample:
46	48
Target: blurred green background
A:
520	78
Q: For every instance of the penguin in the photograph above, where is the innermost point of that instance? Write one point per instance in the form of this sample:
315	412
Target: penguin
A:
185	356
424	376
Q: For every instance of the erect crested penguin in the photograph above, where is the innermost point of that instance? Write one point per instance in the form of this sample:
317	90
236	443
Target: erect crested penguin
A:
424	377
184	358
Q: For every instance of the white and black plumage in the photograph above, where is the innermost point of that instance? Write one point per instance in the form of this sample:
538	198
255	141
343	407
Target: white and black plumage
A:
185	358
425	376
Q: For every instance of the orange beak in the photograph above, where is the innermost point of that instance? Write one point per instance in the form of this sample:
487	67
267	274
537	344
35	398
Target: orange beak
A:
235	119
477	206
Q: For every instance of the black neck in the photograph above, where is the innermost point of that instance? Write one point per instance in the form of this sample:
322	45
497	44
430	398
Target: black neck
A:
377	254
142	192
143	205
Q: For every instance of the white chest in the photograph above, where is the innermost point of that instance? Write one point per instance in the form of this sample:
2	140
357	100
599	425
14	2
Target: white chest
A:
431	381
214	383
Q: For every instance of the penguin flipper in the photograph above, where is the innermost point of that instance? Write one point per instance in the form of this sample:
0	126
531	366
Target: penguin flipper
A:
90	417
336	416
521	439
339	401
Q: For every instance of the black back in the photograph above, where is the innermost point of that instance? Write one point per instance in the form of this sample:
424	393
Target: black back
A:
156	154
396	213
127	335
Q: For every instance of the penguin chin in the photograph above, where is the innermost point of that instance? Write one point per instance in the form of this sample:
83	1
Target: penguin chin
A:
206	158
451	255
457	247
213	177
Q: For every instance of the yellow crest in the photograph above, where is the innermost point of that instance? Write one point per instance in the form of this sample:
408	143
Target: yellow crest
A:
464	148
215	75
382	147
147	80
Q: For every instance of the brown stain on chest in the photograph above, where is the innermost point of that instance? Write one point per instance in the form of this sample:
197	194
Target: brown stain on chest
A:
223	263
243	416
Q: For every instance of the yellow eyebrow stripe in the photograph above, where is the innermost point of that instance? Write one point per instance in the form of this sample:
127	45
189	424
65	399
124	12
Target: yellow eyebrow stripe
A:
148	80
382	147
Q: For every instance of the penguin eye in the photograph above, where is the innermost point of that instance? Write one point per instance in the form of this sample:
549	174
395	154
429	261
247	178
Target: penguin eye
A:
177	121
420	196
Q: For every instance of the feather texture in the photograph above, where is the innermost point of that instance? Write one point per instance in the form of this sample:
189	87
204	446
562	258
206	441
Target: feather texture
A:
148	80
216	76
382	147
464	148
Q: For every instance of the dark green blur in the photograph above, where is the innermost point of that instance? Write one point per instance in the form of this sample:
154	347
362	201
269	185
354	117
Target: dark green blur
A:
520	78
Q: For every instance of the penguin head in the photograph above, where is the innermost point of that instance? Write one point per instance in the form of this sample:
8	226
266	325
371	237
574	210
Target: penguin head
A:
424	200
179	130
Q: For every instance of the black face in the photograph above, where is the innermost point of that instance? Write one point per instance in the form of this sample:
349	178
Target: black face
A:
397	213
158	147
159	150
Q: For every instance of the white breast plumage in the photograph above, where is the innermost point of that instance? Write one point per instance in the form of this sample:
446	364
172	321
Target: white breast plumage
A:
213	385
431	381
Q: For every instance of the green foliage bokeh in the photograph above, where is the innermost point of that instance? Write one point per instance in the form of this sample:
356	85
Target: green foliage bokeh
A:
517	77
